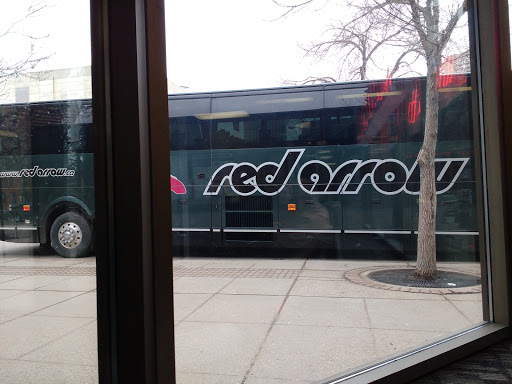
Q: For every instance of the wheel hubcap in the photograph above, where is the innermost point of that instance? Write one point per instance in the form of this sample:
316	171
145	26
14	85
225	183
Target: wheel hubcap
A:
70	235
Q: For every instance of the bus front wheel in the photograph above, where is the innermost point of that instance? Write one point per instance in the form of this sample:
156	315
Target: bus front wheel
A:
70	235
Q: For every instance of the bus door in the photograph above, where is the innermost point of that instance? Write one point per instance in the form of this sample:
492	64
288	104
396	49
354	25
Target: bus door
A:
26	220
248	221
246	217
17	222
21	211
8	216
240	212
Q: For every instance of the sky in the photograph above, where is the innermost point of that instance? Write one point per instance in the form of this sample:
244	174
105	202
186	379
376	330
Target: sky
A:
233	44
65	23
211	45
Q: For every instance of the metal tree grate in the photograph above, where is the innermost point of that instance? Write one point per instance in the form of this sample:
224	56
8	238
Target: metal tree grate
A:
406	278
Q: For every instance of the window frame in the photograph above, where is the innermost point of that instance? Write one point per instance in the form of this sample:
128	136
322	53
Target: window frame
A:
135	334
134	284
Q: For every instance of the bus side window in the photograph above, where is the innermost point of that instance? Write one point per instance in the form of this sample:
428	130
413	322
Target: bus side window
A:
14	130
50	139
86	138
309	132
186	133
273	133
236	134
340	128
301	131
455	121
227	135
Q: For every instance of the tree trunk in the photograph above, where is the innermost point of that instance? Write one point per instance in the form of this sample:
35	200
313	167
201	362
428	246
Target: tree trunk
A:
426	259
362	70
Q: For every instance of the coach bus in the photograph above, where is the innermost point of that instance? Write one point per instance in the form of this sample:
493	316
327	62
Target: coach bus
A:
321	169
46	175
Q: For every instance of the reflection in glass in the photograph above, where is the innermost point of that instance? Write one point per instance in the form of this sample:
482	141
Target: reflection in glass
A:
47	267
510	26
289	197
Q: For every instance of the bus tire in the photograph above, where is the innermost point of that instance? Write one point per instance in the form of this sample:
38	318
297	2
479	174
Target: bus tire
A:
70	235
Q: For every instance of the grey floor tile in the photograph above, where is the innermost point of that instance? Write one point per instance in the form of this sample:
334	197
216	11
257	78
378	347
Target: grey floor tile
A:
239	309
4	317
28	372
279	263
322	274
44	261
79	347
471	309
83	305
4	278
198	378
192	262
221	323
421	315
477	297
312	353
258	286
325	312
32	282
345	288
186	303
231	263
267	380
217	348
392	342
5	293
7	259
200	284
74	284
32	301
346	265
28	333
86	262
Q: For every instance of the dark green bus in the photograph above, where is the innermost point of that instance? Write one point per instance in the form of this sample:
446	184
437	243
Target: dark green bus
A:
320	170
47	175
323	169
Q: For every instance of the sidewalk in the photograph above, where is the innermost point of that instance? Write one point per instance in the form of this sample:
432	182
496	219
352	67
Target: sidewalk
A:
251	321
47	318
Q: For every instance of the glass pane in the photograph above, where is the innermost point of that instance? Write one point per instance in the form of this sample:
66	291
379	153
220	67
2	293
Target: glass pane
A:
47	264
308	240
510	28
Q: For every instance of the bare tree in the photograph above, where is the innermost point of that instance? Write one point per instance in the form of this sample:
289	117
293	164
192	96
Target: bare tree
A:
28	55
414	28
434	29
359	41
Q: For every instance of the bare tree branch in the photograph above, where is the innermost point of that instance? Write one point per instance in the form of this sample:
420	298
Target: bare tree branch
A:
29	59
446	34
311	80
32	10
290	9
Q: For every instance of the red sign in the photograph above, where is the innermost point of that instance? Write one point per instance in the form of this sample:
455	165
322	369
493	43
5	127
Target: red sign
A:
449	78
177	186
376	92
